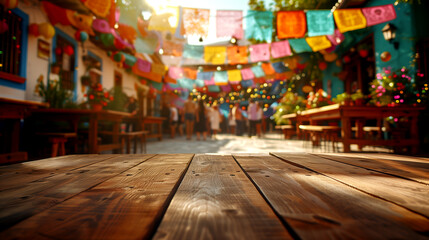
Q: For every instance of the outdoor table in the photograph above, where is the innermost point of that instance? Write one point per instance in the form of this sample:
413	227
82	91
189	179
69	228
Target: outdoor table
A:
74	116
359	114
154	122
11	113
212	196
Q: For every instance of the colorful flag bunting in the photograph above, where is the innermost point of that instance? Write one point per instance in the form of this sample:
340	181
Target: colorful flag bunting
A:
259	25
226	88
193	51
221	78
215	55
165	19
258	71
247	74
379	14
229	24
318	43
234	75
199	83
190	73
247	83
300	45
237	54
268	69
168	79
336	38
205	75
175	72
213	88
158	68
280	67
156	85
195	22
280	49
142	65
210	81
320	22
171	48
291	24
349	19
260	52
186	83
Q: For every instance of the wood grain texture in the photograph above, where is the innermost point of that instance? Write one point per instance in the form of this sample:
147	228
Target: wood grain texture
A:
405	193
126	206
216	200
417	170
17	204
318	207
12	176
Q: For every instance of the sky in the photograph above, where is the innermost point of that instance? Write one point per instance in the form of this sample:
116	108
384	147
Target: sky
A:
207	4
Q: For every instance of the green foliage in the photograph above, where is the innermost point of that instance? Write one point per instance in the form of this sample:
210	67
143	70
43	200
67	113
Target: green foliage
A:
119	99
290	103
342	98
53	93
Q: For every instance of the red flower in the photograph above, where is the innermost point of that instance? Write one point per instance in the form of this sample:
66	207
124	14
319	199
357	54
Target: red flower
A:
91	96
104	103
106	94
111	98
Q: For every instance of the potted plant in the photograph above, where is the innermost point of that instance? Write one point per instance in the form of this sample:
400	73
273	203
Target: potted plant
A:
53	93
343	99
318	99
358	98
98	97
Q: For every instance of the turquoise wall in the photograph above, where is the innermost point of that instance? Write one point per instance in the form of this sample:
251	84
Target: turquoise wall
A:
401	57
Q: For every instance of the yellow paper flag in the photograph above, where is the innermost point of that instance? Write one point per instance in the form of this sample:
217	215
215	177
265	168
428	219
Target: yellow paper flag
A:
165	19
349	19
215	55
234	75
318	43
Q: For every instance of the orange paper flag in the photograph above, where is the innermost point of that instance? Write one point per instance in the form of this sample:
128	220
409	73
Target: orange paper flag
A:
195	22
268	69
215	55
237	55
349	19
291	24
318	43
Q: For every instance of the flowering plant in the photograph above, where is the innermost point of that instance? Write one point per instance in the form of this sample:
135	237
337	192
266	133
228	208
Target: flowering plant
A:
290	103
53	93
393	88
97	95
318	99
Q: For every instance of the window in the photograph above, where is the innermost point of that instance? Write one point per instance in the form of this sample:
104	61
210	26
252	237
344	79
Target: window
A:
65	58
11	46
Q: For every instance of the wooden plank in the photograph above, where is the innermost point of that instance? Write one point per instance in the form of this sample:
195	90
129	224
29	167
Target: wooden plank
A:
17	204
127	206
402	192
217	201
318	207
413	170
13	157
12	176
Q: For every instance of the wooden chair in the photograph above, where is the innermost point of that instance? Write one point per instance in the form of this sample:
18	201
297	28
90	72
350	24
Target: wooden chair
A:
126	138
287	130
58	141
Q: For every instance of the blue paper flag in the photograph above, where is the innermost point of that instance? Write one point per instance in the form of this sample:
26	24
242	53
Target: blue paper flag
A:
275	88
258	71
280	67
320	22
199	83
193	51
247	83
186	83
300	45
213	88
259	25
205	75
156	85
221	78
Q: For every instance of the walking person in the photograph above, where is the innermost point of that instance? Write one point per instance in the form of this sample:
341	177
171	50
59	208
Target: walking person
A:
201	120
259	116
231	122
215	120
189	109
252	112
174	120
239	119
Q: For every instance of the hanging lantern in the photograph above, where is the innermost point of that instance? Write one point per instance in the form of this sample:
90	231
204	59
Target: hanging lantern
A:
107	39
58	51
385	56
119	57
3	27
33	29
323	65
363	53
69	50
46	30
81	36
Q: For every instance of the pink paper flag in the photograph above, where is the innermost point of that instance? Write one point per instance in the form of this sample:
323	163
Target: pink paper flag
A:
175	72
229	24
143	65
210	82
247	74
336	38
260	52
280	49
379	14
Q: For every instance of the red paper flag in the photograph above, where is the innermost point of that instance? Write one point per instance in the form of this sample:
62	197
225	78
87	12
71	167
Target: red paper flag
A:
291	24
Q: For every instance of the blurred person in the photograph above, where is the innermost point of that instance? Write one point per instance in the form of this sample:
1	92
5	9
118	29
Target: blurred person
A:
174	120
231	122
131	107
189	109
215	120
252	112
259	117
181	121
239	119
165	112
201	120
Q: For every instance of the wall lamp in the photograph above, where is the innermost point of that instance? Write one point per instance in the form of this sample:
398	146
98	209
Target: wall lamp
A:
389	34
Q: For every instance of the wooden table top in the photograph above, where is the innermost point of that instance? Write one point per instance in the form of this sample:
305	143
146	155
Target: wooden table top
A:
210	196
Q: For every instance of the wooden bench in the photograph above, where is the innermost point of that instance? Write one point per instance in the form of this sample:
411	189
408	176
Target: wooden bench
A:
58	141
287	130
126	137
317	133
